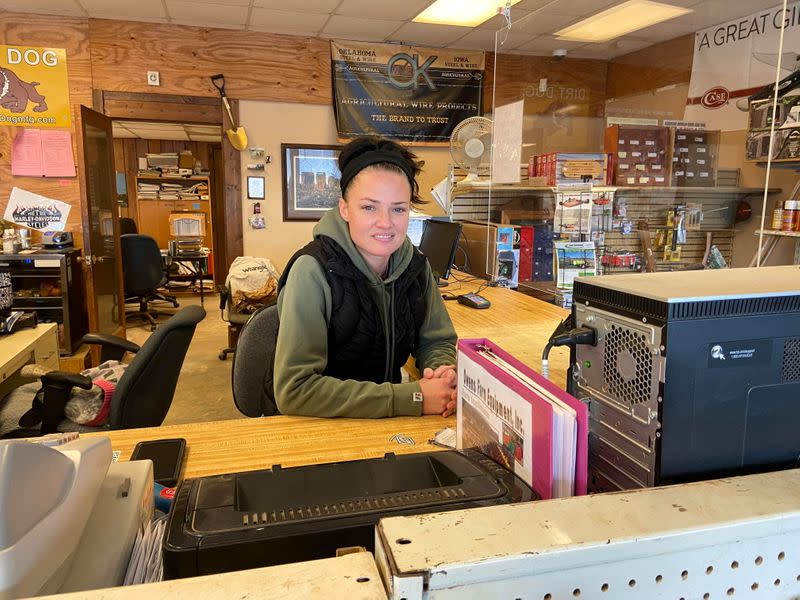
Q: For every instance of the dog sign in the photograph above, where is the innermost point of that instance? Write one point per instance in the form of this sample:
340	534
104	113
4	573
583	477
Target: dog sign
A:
34	91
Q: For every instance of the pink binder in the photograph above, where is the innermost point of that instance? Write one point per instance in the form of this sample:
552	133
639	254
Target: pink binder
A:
542	416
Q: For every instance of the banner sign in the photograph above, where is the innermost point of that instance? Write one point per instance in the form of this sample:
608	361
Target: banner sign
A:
404	92
33	87
736	59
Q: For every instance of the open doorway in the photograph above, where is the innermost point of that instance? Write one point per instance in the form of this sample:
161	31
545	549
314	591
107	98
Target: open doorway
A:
168	177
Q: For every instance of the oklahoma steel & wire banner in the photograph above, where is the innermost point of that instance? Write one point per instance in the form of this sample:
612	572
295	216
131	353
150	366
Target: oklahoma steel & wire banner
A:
404	92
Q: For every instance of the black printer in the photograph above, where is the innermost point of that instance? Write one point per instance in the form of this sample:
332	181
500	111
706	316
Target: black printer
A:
274	516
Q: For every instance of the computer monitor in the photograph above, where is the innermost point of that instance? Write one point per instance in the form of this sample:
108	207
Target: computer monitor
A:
439	244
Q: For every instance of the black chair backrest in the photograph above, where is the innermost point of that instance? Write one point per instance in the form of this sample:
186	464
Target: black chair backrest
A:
142	267
144	392
253	364
127	225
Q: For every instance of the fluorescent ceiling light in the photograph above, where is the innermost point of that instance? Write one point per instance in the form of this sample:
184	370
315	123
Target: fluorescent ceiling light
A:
621	19
464	13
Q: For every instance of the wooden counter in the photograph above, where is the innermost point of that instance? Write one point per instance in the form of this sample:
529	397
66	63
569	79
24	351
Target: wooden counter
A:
249	444
518	323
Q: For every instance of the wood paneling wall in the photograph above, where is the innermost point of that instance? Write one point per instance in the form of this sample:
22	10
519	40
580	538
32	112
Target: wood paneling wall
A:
651	68
54	32
113	56
257	66
519	78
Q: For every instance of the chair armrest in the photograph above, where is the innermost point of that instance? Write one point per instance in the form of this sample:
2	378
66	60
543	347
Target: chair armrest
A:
57	386
224	294
114	347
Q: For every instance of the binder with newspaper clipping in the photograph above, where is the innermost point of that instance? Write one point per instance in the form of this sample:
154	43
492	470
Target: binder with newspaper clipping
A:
521	420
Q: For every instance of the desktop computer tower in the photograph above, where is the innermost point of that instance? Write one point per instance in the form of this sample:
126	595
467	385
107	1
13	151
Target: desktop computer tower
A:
694	374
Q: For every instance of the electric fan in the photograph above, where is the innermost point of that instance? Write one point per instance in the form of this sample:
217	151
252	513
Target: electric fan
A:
470	143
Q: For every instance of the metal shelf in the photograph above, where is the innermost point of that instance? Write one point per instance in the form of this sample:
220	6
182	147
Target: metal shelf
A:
776	232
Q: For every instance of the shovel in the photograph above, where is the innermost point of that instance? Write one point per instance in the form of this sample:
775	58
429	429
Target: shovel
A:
237	137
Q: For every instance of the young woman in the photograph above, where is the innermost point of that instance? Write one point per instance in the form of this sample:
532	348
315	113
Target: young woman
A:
358	300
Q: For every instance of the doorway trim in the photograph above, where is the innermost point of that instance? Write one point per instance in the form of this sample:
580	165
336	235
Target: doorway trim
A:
171	108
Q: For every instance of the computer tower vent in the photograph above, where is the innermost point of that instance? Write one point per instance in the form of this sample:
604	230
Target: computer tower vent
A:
735	307
627	365
618	302
791	360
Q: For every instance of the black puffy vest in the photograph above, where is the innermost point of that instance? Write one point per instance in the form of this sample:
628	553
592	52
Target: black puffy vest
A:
356	338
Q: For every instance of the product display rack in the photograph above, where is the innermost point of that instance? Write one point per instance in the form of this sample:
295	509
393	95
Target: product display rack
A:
517	203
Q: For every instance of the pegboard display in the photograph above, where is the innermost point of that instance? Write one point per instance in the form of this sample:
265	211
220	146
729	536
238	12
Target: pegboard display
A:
729	538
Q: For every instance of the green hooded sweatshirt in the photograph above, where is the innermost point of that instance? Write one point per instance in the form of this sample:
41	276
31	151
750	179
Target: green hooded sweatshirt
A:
301	355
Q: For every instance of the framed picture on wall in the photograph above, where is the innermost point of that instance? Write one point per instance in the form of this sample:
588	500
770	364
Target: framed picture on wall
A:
310	180
255	187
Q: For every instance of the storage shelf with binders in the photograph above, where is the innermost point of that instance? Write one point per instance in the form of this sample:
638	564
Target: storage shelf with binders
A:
50	283
158	197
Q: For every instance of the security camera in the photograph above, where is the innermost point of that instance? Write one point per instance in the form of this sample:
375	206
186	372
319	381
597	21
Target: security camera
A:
559	53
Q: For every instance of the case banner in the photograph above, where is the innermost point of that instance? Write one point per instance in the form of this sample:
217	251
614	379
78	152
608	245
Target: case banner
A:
735	60
33	87
404	92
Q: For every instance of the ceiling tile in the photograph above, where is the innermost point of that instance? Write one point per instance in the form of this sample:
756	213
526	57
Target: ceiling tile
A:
596	53
714	12
371	9
530	5
367	30
579	8
203	130
225	2
124	9
477	39
422	34
312	6
660	32
280	21
548	43
118	131
499	21
220	15
542	23
50	7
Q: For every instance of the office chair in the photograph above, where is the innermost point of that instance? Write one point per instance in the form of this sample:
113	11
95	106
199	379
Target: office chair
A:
127	225
253	364
143	273
142	396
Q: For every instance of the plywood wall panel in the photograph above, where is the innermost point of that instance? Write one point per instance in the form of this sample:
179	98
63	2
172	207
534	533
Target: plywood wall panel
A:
651	68
257	66
576	83
18	29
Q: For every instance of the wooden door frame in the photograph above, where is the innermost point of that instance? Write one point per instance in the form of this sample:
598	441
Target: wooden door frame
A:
88	251
170	108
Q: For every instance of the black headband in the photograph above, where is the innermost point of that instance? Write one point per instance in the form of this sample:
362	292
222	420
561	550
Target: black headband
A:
372	157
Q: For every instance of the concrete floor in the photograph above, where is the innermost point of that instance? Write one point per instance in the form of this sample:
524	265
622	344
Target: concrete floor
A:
203	392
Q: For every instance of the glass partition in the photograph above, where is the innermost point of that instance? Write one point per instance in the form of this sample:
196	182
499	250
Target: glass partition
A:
653	150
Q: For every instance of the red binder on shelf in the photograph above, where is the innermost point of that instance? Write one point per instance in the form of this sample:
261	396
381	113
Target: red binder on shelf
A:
521	420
